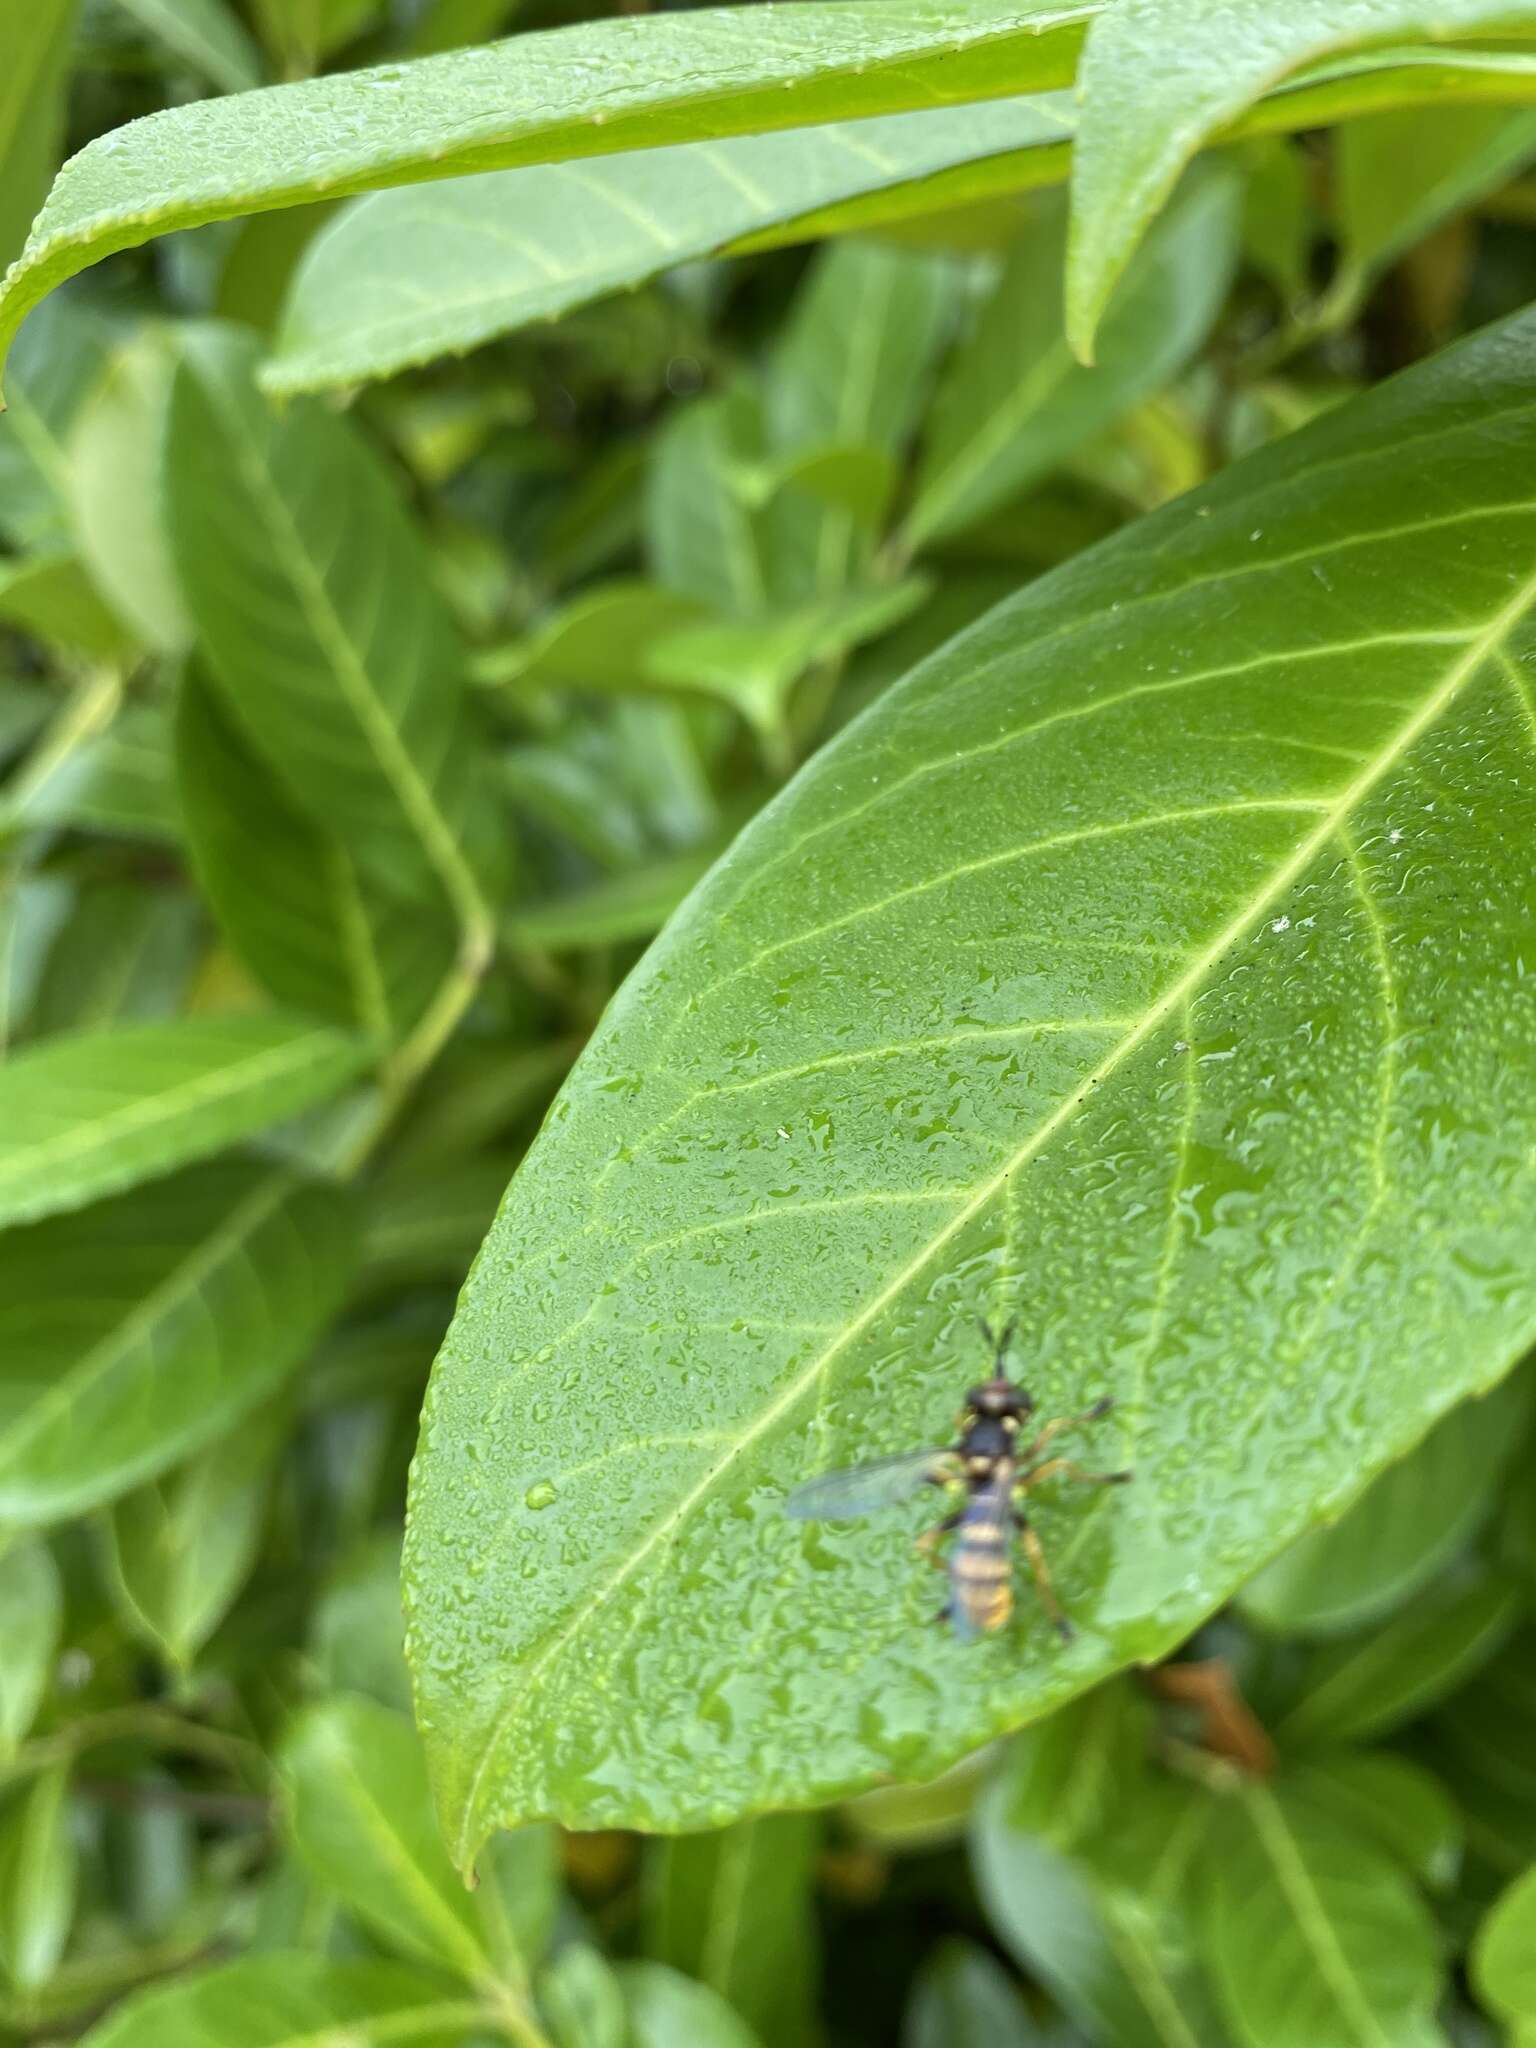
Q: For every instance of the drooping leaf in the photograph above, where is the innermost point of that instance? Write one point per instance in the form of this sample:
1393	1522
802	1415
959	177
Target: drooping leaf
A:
34	55
1014	402
1051	935
206	34
179	1547
666	80
31	1616
581	2000
288	536
37	1877
289	2000
1312	1934
733	1909
1504	1954
1359	1689
288	894
1401	1532
666	2007
404	276
140	1329
1160	78
93	1111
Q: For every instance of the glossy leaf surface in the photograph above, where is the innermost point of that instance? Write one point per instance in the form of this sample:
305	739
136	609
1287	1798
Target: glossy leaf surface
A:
698	77
1222	791
404	276
1160	78
137	1330
91	1112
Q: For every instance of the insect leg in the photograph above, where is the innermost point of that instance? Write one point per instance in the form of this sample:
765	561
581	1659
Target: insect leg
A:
930	1537
1064	1422
1065	1468
1041	1572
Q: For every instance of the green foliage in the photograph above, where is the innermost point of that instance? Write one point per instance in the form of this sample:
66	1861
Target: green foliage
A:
619	764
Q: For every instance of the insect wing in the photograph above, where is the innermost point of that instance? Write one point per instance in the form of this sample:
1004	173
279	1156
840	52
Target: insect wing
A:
864	1489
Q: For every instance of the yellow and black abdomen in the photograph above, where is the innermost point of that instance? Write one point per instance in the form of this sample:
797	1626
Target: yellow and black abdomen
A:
980	1571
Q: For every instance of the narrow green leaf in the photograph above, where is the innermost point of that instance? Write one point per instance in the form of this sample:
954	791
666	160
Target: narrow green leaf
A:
613	912
1161	78
288	895
1403	1530
1503	1960
581	2000
37	1878
57	361
734	1910
116	459
142	1328
404	276
665	2008
596	642
125	953
1312	1934
34	58
32	912
361	1817
88	1113
1398	1804
1399	175
425	1223
1359	1690
963	1998
290	2000
205	34
704	537
667	80
355	1636
118	781
1479	1742
1014	403
51	597
1276	214
179	1548
1176	797
31	1616
288	535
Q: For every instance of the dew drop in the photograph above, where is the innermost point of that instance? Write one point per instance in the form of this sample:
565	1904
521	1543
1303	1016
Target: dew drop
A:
542	1494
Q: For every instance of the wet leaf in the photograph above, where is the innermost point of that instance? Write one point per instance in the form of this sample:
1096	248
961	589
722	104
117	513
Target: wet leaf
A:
1017	1001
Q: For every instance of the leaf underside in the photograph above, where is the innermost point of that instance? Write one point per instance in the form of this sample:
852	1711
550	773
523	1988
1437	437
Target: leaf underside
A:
1133	967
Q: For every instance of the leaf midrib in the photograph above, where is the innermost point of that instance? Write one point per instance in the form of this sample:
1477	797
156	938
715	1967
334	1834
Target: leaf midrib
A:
1478	650
143	1112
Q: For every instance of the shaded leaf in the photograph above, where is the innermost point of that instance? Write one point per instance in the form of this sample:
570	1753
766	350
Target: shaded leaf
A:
117	782
93	1111
665	2007
57	361
204	1291
1312	1934
1368	1687
1014	403
287	893
180	1547
1402	1531
965	1999
667	80
313	604
290	2000
1394	1802
401	277
614	911
126	952
50	597
1050	934
37	1878
734	1910
31	1616
581	2000
205	34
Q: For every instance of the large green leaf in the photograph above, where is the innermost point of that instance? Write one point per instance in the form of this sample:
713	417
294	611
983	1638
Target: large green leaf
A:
1099	974
289	2000
663	80
1313	1934
140	1329
403	276
312	599
1160	78
97	1110
34	54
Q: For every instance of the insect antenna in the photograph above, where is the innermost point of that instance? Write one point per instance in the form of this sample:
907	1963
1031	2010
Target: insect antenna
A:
1003	1342
987	1335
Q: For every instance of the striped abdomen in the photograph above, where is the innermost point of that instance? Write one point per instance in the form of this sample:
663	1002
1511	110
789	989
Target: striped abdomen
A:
980	1574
